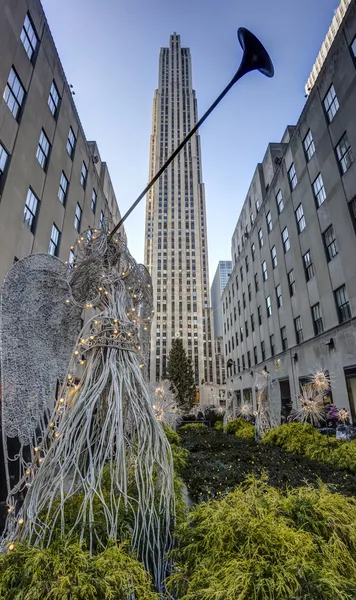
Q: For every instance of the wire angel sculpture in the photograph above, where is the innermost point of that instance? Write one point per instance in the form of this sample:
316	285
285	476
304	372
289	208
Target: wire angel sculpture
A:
164	403
100	425
311	407
268	397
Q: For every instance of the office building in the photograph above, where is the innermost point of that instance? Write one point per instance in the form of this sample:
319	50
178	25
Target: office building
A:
53	183
290	303
220	280
176	250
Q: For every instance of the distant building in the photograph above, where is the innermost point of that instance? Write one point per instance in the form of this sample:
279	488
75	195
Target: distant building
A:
220	280
290	303
53	183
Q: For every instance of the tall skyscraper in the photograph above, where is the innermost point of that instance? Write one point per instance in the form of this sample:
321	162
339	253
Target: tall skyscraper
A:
176	251
220	280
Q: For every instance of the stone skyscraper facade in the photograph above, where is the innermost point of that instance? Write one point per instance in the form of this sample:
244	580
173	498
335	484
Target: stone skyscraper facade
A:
176	250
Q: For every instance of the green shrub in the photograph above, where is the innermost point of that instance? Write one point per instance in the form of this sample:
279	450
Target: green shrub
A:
344	456
196	427
67	572
172	436
241	428
260	543
219	425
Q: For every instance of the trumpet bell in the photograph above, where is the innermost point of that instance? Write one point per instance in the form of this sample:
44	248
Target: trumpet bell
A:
255	55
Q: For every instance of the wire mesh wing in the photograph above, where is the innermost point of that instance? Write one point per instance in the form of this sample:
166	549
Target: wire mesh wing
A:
38	332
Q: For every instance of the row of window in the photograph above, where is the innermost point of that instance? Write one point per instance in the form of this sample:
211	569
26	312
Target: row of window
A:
343	310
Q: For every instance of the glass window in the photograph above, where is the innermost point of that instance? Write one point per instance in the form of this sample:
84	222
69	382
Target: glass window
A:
330	243
253	252
264	271
285	238
241	274
249	292
269	221
28	37
269	306
259	312
248	359
43	150
263	351
54	241
239	306
63	189
246	263
78	217
71	141
342	303
331	103
279	200
284	338
292	176
246	328
83	175
53	99
308	144
274	256
257	204
344	154
31	210
101	222
353	48
319	190
352	206
260	237
94	198
255	355
3	159
244	300
14	94
252	219
308	266
256	282
298	329
299	215
279	296
317	319
253	322
291	281
272	344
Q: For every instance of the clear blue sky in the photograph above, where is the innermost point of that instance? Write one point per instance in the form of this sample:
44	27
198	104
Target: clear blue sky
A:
109	51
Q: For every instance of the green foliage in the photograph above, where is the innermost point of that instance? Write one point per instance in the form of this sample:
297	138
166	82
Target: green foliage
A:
260	543
66	571
241	428
196	427
180	374
172	436
219	425
306	440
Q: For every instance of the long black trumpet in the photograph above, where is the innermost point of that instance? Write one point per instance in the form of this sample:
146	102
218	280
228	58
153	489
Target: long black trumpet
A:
255	57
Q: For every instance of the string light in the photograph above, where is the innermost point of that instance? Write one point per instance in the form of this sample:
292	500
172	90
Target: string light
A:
91	337
67	301
12	546
10	509
61	400
28	472
76	353
36	449
141	366
100	289
82	341
116	331
70	377
40	460
51	425
57	435
21	521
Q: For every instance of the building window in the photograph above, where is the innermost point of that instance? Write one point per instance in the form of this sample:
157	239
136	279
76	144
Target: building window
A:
63	189
31	209
263	351
54	241
71	141
71	259
284	338
246	329
330	243
260	237
239	306
274	256
241	274
279	200
292	176
253	252
353	48
308	144
249	292
43	150
259	313
252	323
344	154
279	296
268	306
317	319
241	334
272	344
308	266
298	329
257	204
94	197
248	359
342	303
243	362
252	219
256	282
246	263
101	222
319	190
264	271
53	100
14	94
291	281
255	355
352	207
285	238
78	217
269	221
29	38
3	160
299	215
331	103
244	300
83	175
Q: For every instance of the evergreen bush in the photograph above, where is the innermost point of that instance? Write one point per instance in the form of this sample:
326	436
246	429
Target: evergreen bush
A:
241	428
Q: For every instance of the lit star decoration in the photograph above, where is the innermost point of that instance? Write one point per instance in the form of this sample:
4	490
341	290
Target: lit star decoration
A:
164	404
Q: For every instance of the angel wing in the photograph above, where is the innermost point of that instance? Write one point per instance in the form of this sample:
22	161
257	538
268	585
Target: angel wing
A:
39	328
